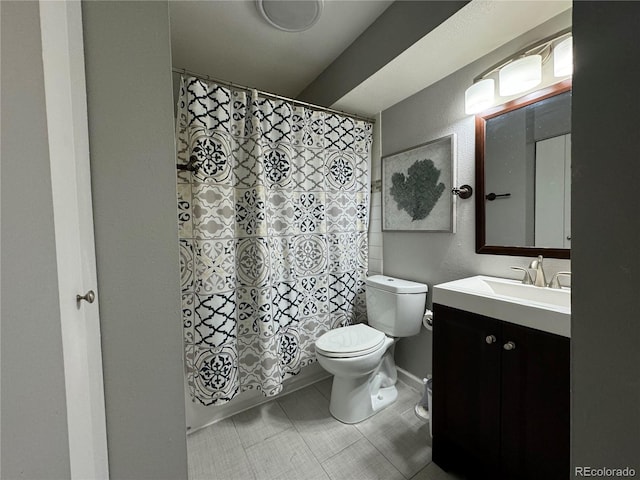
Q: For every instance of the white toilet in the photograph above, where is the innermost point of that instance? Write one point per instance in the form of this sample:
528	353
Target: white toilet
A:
361	356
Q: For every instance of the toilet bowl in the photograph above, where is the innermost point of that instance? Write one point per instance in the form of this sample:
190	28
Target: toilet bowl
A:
360	353
361	357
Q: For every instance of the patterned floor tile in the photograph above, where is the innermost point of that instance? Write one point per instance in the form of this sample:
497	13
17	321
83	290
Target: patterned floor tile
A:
284	456
360	461
216	453
260	423
324	387
295	438
399	434
309	412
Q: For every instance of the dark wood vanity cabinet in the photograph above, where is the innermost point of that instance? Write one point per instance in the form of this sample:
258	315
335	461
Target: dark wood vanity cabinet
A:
500	398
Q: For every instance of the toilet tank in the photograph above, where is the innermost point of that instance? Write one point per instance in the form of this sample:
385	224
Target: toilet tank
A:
395	306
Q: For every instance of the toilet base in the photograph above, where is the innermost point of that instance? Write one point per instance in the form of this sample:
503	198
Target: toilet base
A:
356	399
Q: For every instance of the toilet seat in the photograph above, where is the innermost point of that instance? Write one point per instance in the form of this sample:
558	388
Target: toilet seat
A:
352	341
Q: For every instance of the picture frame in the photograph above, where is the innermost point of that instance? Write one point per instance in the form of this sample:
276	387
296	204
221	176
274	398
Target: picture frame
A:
417	188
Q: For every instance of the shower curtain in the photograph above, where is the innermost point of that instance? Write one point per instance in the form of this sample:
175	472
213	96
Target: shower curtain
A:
273	235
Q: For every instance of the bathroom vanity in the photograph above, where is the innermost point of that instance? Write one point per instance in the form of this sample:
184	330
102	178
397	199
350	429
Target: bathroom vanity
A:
501	380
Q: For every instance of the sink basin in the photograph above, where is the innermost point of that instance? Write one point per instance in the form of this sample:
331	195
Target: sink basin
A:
541	308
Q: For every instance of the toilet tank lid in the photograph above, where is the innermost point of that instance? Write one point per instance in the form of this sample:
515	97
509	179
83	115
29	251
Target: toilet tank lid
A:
395	285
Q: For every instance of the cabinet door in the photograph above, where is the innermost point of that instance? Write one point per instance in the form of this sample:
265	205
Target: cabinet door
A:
466	392
535	405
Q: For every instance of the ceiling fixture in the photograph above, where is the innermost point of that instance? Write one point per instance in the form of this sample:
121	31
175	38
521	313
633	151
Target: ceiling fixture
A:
520	72
291	15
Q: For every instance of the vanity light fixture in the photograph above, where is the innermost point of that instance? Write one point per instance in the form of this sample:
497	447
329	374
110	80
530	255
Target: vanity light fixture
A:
563	58
520	72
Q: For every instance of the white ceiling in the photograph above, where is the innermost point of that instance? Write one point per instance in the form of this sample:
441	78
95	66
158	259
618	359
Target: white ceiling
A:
228	40
471	33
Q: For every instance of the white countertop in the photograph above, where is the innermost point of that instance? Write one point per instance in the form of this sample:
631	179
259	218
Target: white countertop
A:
541	308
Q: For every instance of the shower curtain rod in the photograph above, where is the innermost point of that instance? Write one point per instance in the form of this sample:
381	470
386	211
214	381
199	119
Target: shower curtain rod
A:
272	95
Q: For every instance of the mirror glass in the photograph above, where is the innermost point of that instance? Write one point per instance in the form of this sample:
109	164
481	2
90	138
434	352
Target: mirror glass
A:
523	160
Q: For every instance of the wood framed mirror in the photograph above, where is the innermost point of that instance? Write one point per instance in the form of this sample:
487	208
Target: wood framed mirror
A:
523	175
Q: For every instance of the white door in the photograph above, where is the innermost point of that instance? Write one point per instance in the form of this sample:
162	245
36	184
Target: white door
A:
63	61
553	192
567	192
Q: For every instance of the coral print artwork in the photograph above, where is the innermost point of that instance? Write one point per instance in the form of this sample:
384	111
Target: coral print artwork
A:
417	187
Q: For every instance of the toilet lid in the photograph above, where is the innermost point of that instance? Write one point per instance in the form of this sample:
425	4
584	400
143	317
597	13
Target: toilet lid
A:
351	341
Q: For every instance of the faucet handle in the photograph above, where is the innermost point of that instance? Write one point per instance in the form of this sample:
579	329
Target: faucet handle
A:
526	280
555	282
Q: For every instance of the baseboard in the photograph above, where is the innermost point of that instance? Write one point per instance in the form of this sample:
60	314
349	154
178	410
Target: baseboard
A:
250	399
410	380
200	417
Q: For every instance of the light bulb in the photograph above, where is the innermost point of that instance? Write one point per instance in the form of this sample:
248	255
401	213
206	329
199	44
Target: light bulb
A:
520	75
563	58
479	96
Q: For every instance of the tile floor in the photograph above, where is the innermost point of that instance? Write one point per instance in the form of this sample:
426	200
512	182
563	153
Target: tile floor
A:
295	438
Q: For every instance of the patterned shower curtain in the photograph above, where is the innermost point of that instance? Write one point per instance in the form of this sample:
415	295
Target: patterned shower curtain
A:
273	235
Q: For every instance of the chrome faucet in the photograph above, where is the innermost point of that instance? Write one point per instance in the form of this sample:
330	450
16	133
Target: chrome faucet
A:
536	265
540	279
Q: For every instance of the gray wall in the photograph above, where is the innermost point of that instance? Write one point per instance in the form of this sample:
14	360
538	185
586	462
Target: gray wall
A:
606	235
399	27
134	193
35	443
434	258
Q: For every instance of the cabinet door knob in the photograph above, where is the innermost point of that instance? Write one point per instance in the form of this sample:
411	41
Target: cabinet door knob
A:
88	297
490	339
509	346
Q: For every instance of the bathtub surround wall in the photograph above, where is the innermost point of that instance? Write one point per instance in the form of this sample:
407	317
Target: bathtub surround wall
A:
131	137
434	258
375	215
34	441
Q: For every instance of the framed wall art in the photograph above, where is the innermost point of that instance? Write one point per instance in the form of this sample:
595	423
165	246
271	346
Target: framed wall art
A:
416	188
